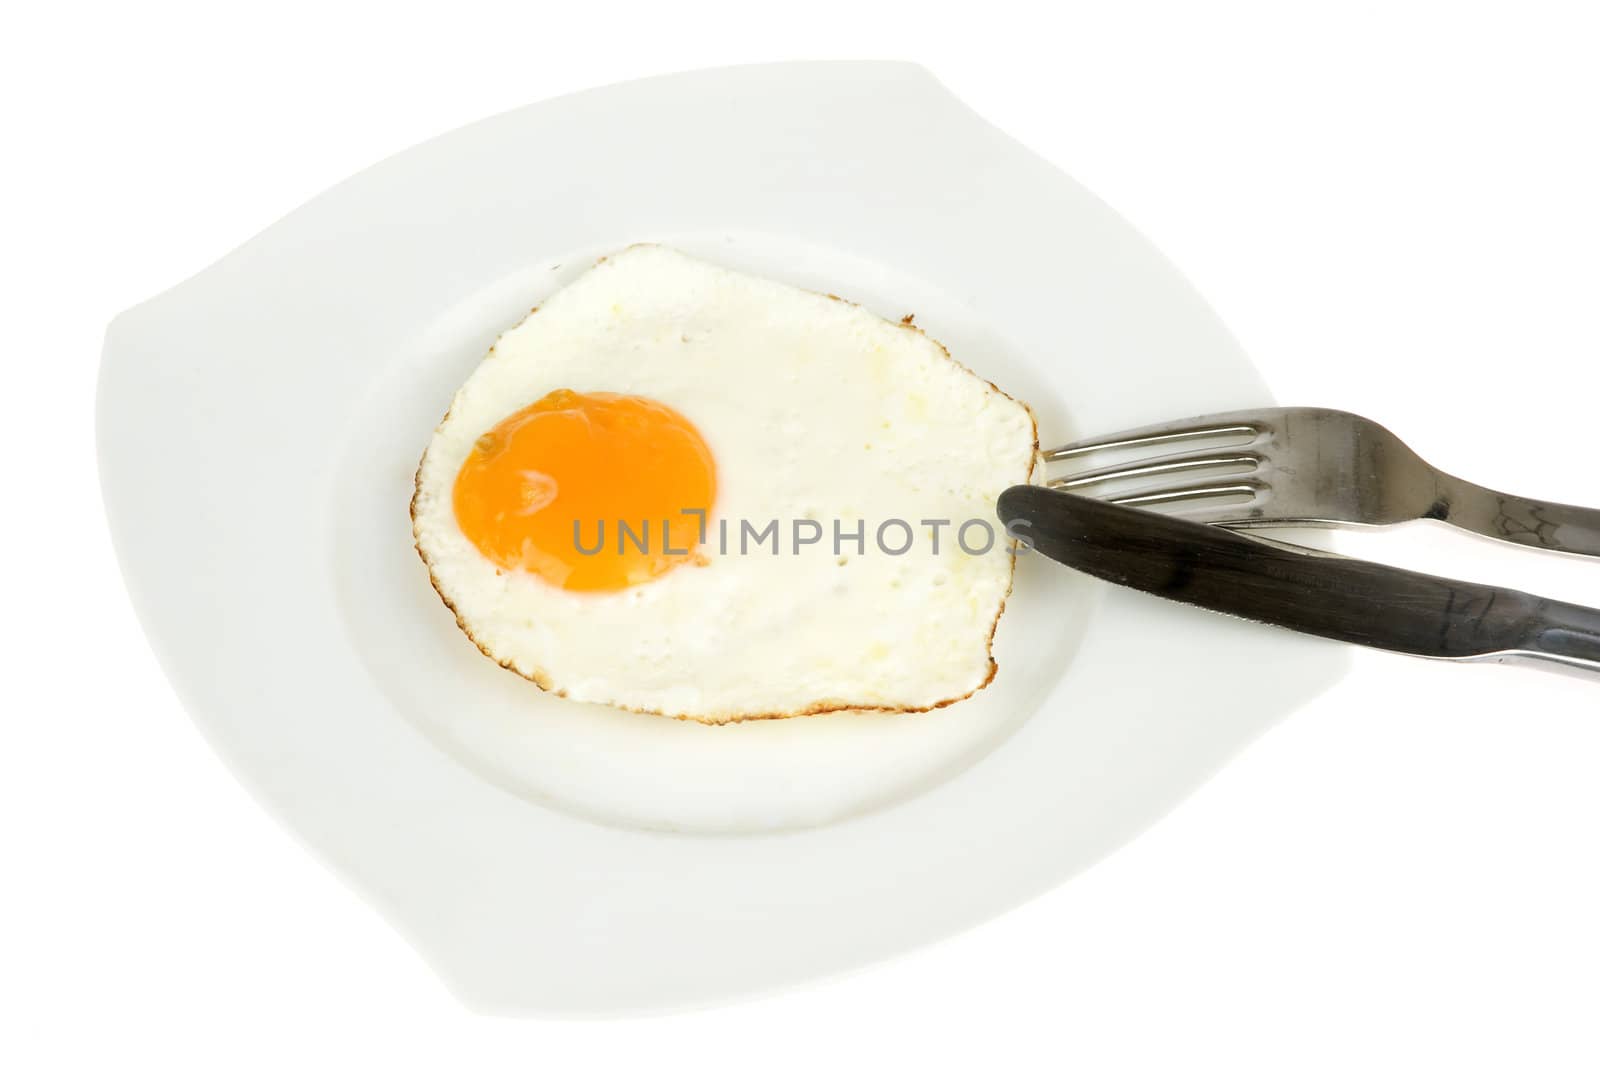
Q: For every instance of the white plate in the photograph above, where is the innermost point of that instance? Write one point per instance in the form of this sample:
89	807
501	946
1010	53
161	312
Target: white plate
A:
259	425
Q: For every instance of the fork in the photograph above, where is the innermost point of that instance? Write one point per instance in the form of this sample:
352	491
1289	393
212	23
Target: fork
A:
1287	466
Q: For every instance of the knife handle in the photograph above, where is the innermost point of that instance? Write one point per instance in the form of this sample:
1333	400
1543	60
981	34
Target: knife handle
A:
1563	634
1349	599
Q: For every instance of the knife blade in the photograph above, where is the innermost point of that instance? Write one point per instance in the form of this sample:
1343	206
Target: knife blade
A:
1339	598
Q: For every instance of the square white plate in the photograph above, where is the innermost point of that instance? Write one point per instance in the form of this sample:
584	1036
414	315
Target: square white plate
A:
260	423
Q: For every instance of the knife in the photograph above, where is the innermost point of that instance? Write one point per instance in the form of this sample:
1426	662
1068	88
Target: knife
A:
1325	595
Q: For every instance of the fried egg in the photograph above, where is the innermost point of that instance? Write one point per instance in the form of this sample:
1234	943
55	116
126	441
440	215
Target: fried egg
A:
683	490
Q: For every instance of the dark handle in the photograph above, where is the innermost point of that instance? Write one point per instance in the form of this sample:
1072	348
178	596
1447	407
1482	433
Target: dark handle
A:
1566	634
1323	595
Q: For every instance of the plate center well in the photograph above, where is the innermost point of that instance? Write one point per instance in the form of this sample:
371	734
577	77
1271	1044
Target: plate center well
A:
640	771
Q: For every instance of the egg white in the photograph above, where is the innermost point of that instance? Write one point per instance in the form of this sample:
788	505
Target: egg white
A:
814	408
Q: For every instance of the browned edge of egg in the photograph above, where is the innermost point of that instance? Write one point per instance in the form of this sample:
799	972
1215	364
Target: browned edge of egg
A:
544	683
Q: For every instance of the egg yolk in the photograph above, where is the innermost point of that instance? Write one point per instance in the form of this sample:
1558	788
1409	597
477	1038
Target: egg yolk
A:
588	490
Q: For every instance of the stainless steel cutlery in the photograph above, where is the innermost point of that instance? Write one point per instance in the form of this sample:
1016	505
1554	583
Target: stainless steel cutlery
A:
1289	466
1179	522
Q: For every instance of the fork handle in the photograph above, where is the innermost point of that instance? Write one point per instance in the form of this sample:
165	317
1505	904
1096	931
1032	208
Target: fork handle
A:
1531	522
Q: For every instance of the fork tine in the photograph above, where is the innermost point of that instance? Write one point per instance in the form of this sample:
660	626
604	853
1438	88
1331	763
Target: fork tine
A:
1220	488
1239	513
1187	430
1211	459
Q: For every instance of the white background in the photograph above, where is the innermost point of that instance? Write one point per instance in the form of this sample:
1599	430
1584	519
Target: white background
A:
1393	206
